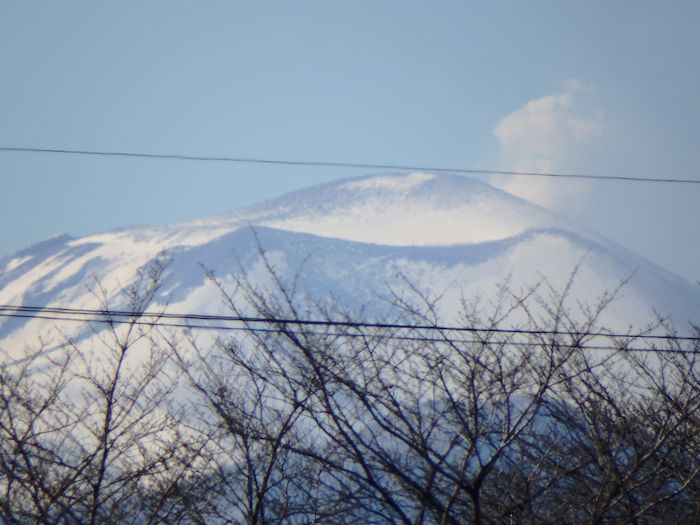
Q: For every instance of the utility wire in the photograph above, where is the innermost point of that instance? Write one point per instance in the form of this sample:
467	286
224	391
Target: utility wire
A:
391	336
327	322
328	164
422	339
124	317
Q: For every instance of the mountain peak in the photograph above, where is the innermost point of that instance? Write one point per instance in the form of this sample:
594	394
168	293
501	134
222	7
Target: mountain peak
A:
397	182
442	232
402	209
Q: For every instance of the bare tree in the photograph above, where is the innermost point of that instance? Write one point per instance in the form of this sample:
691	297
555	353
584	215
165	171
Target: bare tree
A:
626	434
85	431
547	421
382	425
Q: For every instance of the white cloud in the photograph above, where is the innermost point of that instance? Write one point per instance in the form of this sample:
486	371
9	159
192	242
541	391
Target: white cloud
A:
546	135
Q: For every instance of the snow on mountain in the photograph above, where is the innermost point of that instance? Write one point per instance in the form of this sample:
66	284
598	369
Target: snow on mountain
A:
416	209
353	240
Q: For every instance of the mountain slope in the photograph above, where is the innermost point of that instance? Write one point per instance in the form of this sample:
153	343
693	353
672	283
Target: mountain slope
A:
354	240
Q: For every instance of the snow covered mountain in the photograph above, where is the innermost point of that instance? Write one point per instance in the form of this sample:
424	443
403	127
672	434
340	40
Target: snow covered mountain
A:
353	240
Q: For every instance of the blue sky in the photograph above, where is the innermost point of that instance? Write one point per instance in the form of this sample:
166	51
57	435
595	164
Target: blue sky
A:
602	87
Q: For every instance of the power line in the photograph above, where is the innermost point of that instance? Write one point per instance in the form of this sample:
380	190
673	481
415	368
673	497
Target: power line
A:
329	164
423	339
327	322
355	335
120	317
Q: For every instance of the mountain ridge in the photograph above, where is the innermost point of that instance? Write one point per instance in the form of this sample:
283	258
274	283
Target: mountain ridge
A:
538	247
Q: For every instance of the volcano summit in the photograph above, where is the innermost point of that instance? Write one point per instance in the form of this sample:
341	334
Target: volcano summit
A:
353	240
